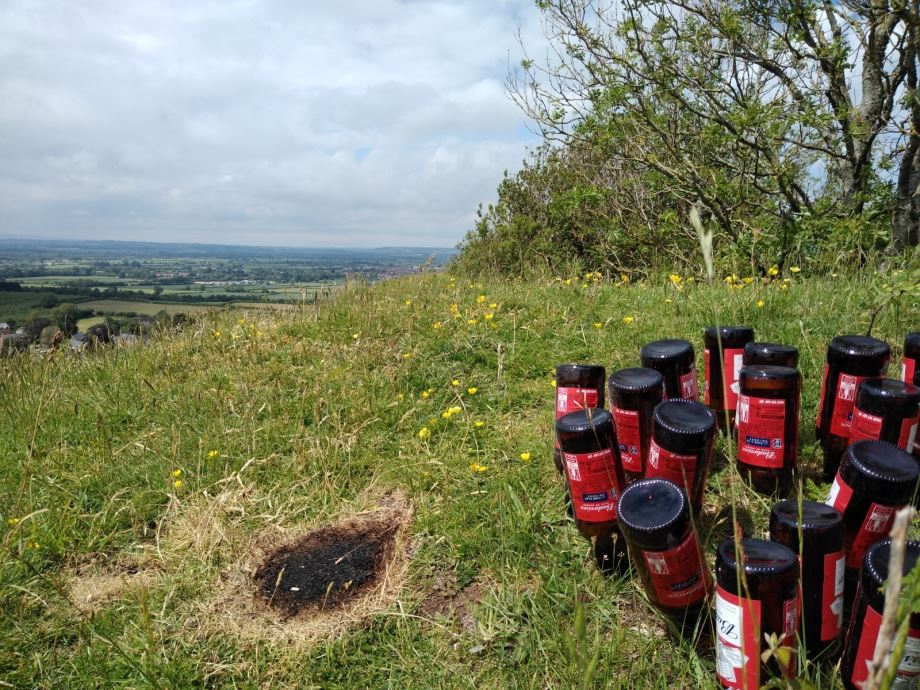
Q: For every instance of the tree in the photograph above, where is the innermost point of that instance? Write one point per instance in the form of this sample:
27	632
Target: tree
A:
772	115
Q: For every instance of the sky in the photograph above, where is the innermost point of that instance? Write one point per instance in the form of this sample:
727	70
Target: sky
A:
292	123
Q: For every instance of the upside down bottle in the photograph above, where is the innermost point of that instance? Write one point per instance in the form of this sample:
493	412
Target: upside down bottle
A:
768	426
633	396
910	361
675	360
723	359
850	359
875	479
683	432
756	595
595	480
886	410
822	560
862	635
578	387
655	518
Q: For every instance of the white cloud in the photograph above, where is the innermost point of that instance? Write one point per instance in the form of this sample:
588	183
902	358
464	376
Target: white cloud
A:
308	123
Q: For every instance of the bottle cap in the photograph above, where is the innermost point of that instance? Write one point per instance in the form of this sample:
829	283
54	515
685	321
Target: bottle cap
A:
682	425
875	569
879	396
583	420
762	372
760	557
858	354
770	353
732	335
650	510
884	463
662	352
635	380
574	372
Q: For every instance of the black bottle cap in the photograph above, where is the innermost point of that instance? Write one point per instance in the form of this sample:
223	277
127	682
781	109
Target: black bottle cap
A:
813	515
650	510
760	557
731	334
912	344
858	354
662	352
583	420
885	462
635	380
770	353
682	425
878	396
572	372
875	569
762	372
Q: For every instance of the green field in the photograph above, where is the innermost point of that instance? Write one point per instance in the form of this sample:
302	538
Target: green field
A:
142	486
111	306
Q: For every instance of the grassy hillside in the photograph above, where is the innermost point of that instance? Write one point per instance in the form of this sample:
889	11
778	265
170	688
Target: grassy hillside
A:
140	486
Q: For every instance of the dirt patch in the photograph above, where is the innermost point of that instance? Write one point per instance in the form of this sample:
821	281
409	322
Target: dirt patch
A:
448	600
325	569
93	586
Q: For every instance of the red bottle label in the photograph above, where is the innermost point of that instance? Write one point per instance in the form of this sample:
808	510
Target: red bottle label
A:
627	427
875	527
679	575
865	425
737	640
593	485
840	494
706	376
908	434
679	468
761	431
844	400
731	369
571	399
821	396
908	369
688	388
832	596
908	667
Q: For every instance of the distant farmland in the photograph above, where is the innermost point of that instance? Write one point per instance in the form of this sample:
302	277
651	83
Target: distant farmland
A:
112	306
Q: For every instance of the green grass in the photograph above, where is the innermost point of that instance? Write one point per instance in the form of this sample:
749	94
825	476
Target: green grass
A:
314	415
111	306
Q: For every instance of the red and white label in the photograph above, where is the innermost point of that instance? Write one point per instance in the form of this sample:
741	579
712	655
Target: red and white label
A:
731	368
679	575
678	468
908	667
593	485
628	438
832	595
844	401
821	397
908	434
840	494
571	399
865	425
761	431
875	527
908	369
737	640
688	387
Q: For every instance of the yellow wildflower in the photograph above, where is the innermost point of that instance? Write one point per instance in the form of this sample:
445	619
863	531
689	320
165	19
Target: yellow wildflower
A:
213	454
480	299
773	270
479	424
177	484
407	355
425	395
624	277
258	334
472	322
437	325
455	309
598	324
691	279
794	269
456	409
354	336
525	456
667	300
216	334
446	414
489	316
784	286
748	280
760	304
177	473
676	279
424	433
408	303
493	305
628	319
455	382
12	521
476	467
472	390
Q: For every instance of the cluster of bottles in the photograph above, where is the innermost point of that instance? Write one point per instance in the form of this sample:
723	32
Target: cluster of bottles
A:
635	477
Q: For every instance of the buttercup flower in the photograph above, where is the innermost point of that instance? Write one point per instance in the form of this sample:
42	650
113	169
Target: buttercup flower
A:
424	395
479	424
598	324
437	325
480	299
472	390
213	453
177	484
525	456
476	467
424	433
760	304
455	382
628	319
177	473
794	269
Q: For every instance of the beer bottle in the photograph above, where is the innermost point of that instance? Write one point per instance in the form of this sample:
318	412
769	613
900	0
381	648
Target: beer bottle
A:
676	361
886	410
770	353
633	396
722	360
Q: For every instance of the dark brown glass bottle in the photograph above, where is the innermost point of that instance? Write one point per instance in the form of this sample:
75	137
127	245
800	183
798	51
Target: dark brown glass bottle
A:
866	620
910	360
850	359
595	480
578	387
886	410
756	595
768	426
773	354
821	574
676	361
723	358
633	396
874	480
655	518
681	448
